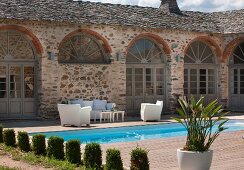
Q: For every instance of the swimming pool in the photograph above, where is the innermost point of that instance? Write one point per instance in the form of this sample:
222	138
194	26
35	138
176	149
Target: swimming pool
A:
132	133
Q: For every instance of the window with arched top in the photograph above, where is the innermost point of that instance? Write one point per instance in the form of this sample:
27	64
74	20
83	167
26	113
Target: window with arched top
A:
82	48
200	71
199	52
15	46
145	74
238	54
145	51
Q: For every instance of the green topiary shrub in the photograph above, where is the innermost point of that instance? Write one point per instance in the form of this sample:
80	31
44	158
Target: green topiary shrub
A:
9	137
23	141
55	148
1	133
93	156
73	153
113	160
39	144
139	159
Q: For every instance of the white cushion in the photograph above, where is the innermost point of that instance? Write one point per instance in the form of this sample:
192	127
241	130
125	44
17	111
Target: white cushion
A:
159	103
110	106
99	104
77	101
88	103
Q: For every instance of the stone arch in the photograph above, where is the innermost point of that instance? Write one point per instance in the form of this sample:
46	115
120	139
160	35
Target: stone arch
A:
154	37
27	32
214	46
105	44
231	47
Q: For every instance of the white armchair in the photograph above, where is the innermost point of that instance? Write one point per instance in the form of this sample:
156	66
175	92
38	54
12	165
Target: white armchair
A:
73	114
151	112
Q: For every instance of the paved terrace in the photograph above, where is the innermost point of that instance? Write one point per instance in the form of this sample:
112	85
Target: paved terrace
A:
228	148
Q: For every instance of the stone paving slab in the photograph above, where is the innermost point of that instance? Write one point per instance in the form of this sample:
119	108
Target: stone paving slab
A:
228	152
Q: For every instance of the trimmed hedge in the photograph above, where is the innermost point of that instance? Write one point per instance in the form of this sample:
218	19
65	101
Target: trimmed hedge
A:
55	148
23	141
139	159
113	160
1	133
73	152
9	137
93	156
39	144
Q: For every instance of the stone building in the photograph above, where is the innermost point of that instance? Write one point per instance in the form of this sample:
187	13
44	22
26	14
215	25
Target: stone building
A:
55	50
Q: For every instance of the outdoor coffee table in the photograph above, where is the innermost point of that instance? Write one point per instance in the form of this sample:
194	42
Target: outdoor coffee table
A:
105	115
117	113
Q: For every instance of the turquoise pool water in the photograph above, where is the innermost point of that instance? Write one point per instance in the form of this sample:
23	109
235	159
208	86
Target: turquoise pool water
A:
132	133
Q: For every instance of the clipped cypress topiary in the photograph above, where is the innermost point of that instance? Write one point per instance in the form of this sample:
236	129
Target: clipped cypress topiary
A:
39	144
139	159
73	152
9	137
1	133
55	148
23	141
93	156
113	160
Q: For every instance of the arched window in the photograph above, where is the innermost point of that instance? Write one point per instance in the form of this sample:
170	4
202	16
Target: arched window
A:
200	71
238	54
198	53
145	51
15	46
82	48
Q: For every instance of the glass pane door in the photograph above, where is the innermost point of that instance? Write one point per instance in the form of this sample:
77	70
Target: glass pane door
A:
29	86
3	82
144	84
15	82
3	90
138	88
236	101
15	89
200	82
160	90
238	81
149	91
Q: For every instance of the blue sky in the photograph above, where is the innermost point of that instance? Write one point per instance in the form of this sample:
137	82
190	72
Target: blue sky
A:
194	5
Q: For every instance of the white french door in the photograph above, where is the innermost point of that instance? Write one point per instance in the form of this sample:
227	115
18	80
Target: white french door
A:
17	90
144	84
200	82
236	101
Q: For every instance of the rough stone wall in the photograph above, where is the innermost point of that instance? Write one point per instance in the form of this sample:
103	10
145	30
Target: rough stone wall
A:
59	82
92	82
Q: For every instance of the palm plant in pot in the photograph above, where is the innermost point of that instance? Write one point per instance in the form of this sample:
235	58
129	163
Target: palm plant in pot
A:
203	125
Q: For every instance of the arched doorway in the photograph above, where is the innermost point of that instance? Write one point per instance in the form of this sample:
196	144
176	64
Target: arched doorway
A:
145	74
17	75
200	71
236	100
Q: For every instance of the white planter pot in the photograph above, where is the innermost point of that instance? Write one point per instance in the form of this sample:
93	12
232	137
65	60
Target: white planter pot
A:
189	160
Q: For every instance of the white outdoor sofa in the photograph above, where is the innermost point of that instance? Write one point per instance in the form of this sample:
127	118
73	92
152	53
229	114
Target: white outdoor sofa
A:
73	114
151	112
96	109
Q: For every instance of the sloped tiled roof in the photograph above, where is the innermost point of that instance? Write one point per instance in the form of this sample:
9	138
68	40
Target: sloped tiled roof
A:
125	15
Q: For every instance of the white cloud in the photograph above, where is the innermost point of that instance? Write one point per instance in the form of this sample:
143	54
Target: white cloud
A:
195	5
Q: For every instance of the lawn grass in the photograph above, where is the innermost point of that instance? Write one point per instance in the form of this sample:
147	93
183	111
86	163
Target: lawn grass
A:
7	168
32	159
